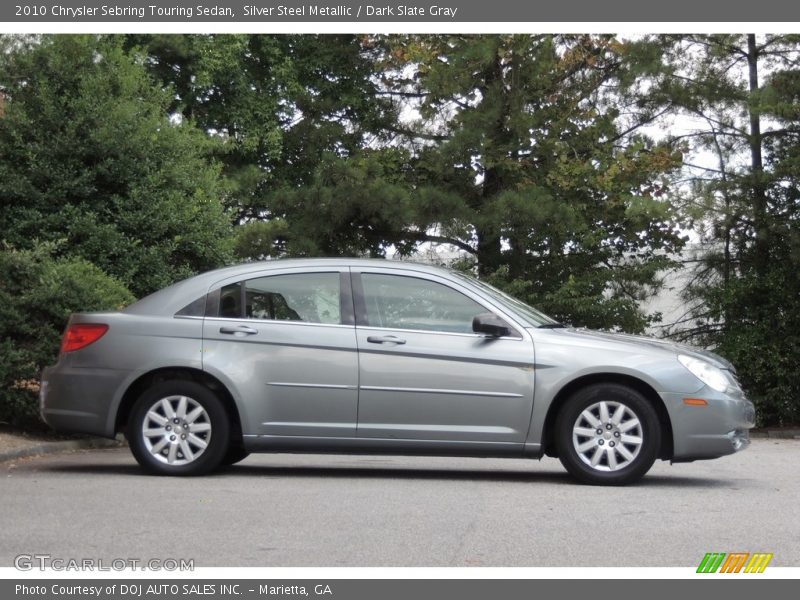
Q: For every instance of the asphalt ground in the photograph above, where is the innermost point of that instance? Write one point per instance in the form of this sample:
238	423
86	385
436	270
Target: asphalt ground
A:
338	510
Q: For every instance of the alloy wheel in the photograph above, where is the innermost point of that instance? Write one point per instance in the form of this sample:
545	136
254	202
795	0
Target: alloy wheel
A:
176	430
607	436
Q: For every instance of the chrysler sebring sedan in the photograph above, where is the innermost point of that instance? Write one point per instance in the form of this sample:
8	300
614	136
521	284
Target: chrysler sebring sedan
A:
372	356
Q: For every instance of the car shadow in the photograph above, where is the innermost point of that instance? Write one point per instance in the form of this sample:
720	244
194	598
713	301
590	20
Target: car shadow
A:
390	473
450	474
382	472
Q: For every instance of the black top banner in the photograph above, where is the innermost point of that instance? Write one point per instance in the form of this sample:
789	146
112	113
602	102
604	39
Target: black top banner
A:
462	11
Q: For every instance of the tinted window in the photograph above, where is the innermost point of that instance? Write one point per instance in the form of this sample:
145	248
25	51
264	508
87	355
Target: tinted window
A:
412	303
305	297
230	301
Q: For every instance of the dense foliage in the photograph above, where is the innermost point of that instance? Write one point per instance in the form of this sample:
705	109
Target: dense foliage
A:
518	159
37	294
743	92
90	158
548	162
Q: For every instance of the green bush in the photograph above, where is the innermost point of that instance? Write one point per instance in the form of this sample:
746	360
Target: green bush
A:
760	335
37	295
92	161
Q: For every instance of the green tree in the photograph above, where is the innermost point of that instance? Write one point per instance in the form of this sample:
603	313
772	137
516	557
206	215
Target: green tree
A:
524	156
278	103
742	93
90	157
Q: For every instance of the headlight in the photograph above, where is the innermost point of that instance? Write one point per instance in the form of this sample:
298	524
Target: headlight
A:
706	372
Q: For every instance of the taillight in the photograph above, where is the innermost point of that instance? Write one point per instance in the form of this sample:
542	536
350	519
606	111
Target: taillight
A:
80	335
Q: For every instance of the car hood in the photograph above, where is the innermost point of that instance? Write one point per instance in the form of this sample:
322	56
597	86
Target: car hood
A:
648	342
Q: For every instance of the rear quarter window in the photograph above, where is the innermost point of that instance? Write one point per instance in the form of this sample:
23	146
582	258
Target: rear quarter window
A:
196	308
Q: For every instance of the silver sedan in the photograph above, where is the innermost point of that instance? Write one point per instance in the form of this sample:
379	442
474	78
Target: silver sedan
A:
366	356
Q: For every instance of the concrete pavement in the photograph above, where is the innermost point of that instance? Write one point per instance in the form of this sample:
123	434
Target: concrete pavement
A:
316	510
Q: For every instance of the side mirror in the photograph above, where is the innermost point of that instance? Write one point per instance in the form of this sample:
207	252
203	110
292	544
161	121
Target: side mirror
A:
490	324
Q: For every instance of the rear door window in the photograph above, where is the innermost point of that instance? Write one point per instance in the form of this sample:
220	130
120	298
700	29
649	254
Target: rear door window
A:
301	297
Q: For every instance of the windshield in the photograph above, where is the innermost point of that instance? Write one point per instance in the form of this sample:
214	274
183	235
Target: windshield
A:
534	317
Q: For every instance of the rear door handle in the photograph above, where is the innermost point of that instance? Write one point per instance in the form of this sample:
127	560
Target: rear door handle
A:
242	329
385	339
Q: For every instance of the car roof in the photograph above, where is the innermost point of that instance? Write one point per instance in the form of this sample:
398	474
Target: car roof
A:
282	263
171	299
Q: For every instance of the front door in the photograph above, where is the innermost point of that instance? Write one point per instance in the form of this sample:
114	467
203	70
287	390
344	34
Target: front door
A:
425	375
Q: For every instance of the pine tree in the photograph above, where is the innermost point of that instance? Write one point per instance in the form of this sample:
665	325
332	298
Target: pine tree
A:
742	92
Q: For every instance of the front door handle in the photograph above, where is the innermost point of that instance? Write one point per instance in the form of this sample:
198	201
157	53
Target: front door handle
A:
242	329
385	339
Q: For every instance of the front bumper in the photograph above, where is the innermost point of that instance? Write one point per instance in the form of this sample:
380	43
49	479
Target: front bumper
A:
720	427
79	400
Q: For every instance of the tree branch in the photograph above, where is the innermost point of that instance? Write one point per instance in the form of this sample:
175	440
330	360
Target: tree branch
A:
420	236
417	134
403	94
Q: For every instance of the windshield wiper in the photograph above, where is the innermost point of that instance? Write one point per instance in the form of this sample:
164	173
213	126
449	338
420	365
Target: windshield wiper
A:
551	326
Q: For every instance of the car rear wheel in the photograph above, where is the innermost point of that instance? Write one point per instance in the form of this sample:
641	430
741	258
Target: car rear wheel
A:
607	434
178	428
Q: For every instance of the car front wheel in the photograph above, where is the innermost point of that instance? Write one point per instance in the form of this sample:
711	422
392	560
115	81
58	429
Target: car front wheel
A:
178	428
607	434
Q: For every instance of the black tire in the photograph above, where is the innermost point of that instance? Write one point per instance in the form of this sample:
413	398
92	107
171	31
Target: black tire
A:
215	415
605	473
234	455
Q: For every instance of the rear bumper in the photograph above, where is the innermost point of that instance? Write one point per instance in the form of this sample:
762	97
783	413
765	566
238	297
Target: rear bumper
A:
719	428
79	400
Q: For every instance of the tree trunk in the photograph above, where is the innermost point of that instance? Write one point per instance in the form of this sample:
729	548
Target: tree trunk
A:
756	163
490	255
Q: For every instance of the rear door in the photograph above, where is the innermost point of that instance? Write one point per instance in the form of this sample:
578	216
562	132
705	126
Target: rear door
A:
285	341
424	374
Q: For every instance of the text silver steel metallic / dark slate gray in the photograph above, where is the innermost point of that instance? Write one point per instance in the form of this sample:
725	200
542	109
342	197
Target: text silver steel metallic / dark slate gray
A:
370	356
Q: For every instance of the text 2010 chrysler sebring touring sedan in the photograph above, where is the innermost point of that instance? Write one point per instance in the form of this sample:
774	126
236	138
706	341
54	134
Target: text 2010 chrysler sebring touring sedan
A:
327	355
